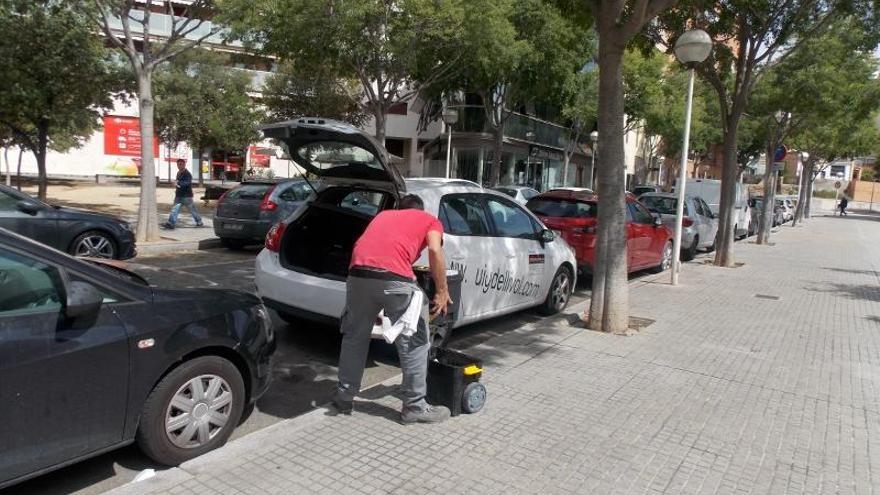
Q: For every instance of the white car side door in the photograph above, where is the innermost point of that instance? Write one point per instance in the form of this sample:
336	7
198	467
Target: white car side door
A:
525	283
473	251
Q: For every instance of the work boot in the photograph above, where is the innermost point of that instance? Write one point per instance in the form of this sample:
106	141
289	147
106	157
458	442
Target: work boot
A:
431	414
167	226
343	406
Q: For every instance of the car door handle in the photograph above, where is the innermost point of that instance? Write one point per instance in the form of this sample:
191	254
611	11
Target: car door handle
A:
456	257
511	255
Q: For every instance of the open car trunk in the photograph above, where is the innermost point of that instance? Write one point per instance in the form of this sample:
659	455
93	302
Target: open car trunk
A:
320	241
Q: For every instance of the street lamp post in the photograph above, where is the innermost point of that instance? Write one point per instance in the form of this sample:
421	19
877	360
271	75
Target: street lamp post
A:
450	117
691	48
594	139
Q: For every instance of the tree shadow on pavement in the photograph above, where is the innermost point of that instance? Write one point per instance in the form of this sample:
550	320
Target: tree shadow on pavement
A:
849	270
859	292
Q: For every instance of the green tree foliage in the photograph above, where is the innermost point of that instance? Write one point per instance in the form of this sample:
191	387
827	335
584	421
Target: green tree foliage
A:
518	53
749	38
202	101
292	92
56	76
393	49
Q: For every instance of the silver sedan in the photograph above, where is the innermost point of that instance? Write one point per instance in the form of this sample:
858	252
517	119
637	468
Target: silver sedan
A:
699	225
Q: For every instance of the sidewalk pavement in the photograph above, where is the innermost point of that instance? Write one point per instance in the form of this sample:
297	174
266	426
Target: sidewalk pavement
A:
757	379
122	201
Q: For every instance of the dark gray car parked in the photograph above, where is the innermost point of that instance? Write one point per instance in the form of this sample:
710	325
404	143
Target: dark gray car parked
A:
247	212
92	358
78	232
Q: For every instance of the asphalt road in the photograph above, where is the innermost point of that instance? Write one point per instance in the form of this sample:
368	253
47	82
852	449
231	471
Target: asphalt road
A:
304	374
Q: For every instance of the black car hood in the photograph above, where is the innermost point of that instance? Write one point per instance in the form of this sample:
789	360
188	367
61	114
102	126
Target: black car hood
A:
86	214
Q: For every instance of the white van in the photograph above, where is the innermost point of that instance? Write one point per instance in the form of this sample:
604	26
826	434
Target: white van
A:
710	191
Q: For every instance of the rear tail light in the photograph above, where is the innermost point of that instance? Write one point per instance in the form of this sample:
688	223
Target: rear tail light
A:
267	204
273	237
687	221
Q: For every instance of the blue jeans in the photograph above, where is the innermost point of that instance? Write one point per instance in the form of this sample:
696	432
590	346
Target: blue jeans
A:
175	210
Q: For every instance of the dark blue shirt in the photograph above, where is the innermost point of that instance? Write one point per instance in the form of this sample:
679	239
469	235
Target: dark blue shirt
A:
184	184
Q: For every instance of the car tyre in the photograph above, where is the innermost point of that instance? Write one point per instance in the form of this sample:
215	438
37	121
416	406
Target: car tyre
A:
95	244
691	252
220	400
234	244
665	258
559	294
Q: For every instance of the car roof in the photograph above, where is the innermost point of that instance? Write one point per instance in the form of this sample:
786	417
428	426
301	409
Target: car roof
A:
439	181
579	195
667	195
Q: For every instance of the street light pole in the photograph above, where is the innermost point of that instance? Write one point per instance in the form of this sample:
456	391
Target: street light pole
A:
691	48
450	117
594	139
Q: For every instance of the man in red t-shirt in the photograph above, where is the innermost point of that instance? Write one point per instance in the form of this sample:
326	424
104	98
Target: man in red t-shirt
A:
381	278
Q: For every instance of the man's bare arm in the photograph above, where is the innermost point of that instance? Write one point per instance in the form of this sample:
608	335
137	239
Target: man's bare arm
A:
437	262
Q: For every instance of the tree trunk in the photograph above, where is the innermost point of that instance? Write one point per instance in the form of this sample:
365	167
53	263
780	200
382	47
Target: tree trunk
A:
381	123
8	169
609	305
495	175
727	209
768	207
18	169
566	160
148	216
802	195
40	154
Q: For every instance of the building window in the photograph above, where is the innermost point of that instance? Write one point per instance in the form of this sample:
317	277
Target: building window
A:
398	108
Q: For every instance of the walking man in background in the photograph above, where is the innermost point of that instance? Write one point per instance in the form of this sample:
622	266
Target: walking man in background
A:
842	206
183	196
381	278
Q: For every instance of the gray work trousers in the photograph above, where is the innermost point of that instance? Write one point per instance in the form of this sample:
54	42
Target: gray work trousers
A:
365	297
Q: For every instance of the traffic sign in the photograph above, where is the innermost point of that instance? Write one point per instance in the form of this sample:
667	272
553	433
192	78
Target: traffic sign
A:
837	185
780	153
779	166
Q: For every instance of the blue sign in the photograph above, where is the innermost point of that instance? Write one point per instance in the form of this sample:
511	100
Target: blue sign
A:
780	153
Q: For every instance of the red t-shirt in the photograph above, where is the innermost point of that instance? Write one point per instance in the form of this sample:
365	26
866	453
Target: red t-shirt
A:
394	239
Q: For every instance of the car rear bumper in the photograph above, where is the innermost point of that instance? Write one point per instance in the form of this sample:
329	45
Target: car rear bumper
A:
300	293
237	228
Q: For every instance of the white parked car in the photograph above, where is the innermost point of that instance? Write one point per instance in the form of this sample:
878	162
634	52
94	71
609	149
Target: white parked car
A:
508	259
522	194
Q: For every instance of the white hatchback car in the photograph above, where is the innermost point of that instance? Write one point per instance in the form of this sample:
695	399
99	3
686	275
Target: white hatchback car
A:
507	258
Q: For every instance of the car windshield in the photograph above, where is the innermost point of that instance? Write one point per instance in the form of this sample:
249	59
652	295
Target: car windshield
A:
248	191
661	204
562	208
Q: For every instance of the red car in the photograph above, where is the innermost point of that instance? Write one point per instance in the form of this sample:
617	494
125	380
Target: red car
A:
572	214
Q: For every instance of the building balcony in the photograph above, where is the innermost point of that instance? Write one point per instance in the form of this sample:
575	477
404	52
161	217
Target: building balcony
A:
472	118
161	27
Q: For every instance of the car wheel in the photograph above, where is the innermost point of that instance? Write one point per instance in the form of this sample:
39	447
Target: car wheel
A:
230	243
691	252
94	244
559	293
665	258
192	410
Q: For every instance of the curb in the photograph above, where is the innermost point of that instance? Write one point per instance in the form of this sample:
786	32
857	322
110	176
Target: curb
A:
164	247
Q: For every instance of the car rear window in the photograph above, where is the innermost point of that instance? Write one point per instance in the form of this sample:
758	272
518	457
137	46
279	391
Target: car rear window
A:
562	208
662	205
509	192
248	191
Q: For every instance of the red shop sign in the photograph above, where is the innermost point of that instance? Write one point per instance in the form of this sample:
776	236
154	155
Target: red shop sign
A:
122	136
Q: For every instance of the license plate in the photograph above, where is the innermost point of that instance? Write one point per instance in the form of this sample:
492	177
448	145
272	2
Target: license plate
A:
233	226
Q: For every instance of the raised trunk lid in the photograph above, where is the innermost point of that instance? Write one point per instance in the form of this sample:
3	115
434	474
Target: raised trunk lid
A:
337	153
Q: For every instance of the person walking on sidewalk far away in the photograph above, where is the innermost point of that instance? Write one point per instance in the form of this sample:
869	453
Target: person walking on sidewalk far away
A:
183	196
381	278
842	206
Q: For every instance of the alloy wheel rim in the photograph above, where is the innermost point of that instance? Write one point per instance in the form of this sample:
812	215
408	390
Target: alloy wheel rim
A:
94	246
198	411
667	256
560	290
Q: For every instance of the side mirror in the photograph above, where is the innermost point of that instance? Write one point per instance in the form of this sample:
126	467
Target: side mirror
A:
83	303
28	207
658	221
546	235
